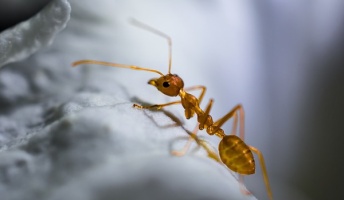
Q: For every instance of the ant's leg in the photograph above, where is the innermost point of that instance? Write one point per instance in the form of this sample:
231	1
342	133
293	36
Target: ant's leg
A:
188	143
239	108
193	136
235	124
233	113
197	87
156	106
159	106
243	188
211	153
264	171
202	143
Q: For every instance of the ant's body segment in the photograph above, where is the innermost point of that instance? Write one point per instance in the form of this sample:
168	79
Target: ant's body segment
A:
233	151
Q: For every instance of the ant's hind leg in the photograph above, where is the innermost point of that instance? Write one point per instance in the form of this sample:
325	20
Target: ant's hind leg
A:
264	171
243	188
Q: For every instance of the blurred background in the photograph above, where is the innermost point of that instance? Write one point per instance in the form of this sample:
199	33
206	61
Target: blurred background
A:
16	11
283	60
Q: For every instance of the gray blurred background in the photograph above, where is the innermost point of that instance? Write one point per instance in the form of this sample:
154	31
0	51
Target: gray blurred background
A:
283	60
14	11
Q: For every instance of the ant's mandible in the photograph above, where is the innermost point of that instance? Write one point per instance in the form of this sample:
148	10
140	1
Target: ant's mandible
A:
233	151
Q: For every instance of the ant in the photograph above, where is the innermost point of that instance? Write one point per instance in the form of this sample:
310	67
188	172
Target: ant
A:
233	151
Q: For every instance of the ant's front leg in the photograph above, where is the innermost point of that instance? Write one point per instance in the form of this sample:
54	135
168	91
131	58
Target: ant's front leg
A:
156	106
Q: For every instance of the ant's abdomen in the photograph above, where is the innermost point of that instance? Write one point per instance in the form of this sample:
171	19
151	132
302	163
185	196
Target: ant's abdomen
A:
236	155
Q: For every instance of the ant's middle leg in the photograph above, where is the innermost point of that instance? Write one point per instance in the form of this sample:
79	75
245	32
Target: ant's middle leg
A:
200	142
186	147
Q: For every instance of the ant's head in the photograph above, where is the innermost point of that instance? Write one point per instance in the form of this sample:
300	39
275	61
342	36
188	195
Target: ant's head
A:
169	84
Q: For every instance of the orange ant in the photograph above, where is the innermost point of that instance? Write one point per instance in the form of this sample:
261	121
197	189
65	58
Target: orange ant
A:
233	151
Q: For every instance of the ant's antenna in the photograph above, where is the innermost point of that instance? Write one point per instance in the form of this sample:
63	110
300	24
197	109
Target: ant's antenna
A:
159	33
82	62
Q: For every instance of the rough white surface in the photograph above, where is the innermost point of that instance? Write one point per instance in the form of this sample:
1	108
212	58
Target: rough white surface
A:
73	134
97	147
28	37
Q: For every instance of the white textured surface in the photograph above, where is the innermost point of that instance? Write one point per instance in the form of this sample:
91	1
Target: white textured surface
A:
72	133
97	153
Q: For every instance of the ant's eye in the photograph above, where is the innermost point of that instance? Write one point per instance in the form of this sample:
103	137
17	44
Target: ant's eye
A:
166	84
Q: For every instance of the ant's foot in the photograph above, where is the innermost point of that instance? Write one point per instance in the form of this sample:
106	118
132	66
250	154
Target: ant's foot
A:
178	153
213	156
137	106
244	190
